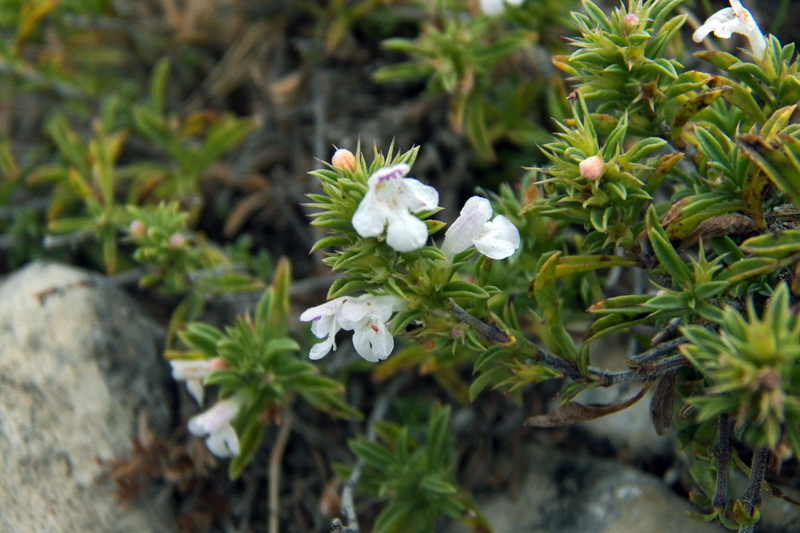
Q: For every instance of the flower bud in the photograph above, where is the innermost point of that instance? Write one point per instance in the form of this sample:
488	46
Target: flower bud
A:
630	19
137	228
176	240
592	168
344	158
218	363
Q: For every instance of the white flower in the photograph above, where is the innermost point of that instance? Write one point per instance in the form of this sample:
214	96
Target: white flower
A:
324	326
216	423
390	200
497	239
193	371
365	315
495	7
734	19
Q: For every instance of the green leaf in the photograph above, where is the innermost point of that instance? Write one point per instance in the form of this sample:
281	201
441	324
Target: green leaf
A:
748	268
777	160
435	484
687	81
741	98
153	126
158	84
574	264
775	245
202	337
476	128
397	516
278	314
490	377
548	299
463	289
372	453
437	435
665	252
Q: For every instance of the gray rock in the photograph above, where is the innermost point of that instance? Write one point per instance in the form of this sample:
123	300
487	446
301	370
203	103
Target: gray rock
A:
77	364
579	494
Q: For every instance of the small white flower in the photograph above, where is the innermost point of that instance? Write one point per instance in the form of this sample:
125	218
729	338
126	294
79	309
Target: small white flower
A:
193	371
324	326
216	423
497	239
390	200
495	7
367	316
734	19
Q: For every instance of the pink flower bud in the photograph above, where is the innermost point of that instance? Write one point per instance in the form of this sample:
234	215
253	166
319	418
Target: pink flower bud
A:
137	228
630	19
592	168
344	158
218	363
176	240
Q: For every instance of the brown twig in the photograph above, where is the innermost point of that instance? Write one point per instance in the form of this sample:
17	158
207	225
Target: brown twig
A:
275	470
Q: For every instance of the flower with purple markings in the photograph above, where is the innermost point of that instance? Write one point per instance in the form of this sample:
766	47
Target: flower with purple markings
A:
216	423
389	204
497	239
365	315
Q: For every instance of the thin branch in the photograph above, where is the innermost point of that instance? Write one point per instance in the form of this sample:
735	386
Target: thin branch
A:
70	239
647	371
487	332
275	459
752	498
348	500
723	452
657	351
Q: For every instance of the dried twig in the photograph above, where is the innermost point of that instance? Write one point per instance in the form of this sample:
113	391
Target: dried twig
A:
348	503
275	470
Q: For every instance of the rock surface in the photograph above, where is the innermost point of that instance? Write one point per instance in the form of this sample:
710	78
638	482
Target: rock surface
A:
568	494
78	362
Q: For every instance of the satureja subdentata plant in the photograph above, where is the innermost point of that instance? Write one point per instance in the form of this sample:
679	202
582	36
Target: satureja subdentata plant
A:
686	177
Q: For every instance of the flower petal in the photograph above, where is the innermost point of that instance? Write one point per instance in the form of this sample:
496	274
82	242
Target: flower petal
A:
370	216
406	232
195	388
492	7
373	341
215	418
224	442
714	21
378	308
499	239
466	228
321	349
416	196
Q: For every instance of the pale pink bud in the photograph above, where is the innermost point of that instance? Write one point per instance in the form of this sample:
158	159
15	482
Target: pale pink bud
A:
176	240
592	168
344	158
218	363
137	228
630	19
